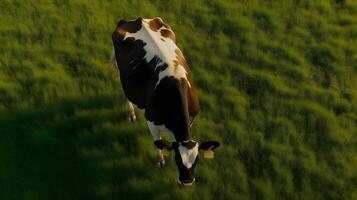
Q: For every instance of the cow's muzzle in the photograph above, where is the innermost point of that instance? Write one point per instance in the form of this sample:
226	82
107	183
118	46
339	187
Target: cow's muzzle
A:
186	182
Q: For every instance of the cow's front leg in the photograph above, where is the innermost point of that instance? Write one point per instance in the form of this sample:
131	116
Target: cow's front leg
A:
131	112
154	130
160	157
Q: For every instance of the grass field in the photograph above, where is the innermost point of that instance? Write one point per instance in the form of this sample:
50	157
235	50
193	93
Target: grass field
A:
277	81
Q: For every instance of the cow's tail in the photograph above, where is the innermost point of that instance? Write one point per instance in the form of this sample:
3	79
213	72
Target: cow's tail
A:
113	63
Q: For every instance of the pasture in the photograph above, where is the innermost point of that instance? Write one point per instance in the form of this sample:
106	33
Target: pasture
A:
277	82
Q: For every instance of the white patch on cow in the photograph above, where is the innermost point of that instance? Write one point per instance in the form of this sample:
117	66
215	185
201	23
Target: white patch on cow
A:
163	49
154	129
188	156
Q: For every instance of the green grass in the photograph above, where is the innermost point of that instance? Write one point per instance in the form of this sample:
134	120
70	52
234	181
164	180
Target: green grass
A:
276	81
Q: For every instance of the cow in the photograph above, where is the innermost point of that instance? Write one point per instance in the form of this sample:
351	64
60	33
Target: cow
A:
155	79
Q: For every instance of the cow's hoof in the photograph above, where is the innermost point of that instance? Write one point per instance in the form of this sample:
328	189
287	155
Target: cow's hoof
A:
161	163
132	118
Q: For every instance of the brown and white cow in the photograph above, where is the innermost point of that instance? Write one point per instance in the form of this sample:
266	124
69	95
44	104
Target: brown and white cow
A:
154	76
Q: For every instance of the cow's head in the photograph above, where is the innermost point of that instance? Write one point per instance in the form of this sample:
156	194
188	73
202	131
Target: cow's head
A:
186	156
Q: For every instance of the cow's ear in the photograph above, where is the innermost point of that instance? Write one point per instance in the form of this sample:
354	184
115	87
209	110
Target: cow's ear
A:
207	148
163	144
210	145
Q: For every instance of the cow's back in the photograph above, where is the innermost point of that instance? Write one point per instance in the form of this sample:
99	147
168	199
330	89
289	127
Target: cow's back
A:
148	58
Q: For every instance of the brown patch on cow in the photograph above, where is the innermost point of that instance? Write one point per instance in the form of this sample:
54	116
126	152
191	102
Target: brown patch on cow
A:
176	63
181	59
156	23
192	100
175	69
126	26
168	34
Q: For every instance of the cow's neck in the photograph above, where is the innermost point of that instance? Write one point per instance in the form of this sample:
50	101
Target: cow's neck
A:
184	137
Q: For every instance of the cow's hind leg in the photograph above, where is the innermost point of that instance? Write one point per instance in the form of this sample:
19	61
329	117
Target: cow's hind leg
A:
131	112
154	130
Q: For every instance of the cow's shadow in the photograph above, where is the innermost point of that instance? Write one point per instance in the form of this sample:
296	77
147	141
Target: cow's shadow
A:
76	148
